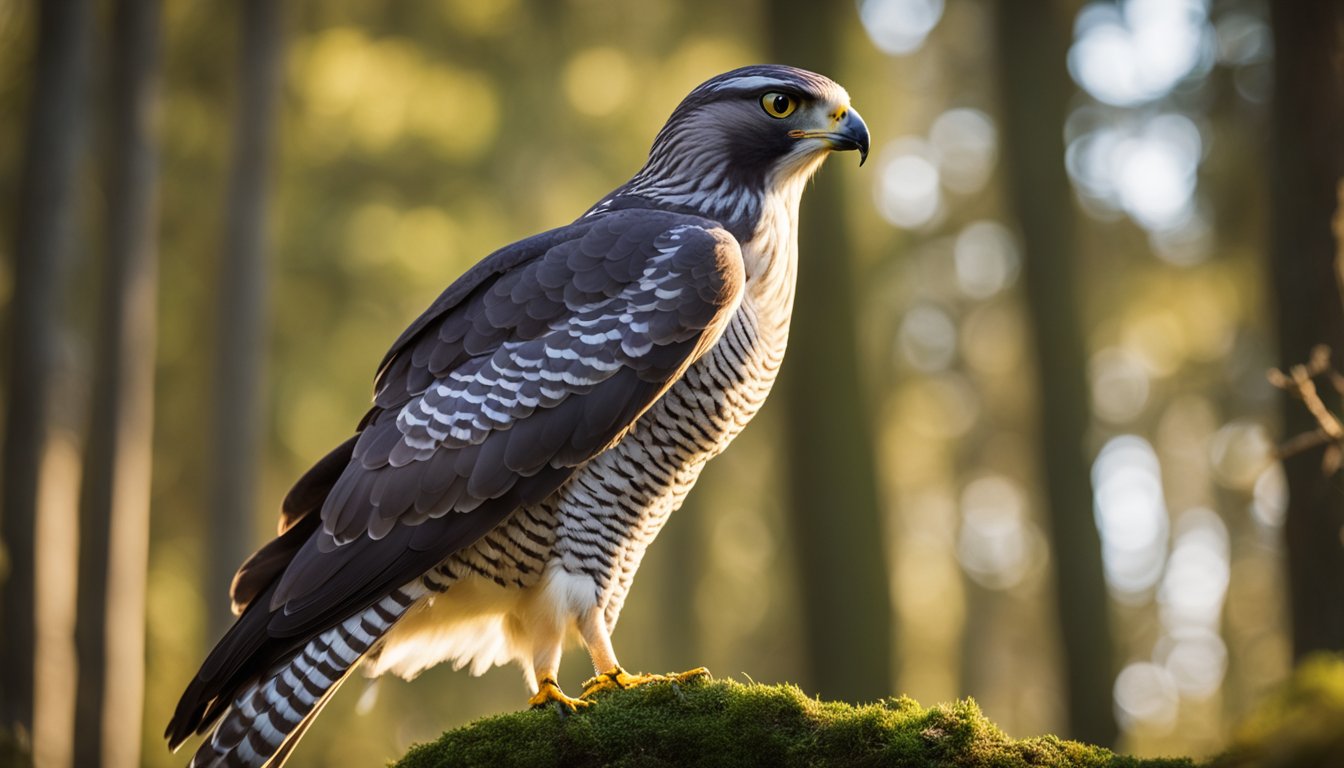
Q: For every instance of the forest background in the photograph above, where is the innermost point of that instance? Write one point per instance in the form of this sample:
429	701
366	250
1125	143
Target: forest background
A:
1023	447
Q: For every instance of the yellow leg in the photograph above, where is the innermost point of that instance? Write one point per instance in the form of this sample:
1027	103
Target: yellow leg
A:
548	691
541	674
618	679
610	676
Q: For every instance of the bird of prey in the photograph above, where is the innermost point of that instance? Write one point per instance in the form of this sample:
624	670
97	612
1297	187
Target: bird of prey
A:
531	431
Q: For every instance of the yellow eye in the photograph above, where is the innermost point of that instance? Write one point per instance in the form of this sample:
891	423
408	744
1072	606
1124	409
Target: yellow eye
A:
778	104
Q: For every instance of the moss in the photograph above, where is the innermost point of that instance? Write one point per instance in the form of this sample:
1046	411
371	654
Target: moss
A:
724	723
1301	726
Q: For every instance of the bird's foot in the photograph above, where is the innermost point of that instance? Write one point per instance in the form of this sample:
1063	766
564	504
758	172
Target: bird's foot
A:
548	692
699	673
618	679
614	679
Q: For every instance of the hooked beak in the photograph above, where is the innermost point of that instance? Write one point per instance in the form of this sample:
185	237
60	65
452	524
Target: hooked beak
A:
850	132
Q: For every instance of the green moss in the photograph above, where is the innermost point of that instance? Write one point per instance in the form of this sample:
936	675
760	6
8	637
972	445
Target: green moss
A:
1301	726
724	723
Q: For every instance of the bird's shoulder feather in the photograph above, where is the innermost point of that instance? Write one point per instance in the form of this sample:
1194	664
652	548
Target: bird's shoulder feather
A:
536	360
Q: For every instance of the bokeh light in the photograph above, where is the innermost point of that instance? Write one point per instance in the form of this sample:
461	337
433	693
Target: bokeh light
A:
899	27
1136	51
1120	384
986	258
1145	694
1146	168
1197	571
1190	604
997	543
967	145
1131	515
1245	44
1240	452
1270	501
908	193
927	338
1196	660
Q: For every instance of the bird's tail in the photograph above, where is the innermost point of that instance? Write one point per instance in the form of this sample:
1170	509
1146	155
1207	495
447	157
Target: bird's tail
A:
268	716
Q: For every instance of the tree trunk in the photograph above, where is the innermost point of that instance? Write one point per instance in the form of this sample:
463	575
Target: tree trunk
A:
45	223
1308	162
1032	47
240	340
832	491
114	522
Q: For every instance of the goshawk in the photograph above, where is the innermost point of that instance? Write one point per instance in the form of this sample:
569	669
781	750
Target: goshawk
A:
533	429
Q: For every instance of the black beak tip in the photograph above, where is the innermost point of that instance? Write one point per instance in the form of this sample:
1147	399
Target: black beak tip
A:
857	132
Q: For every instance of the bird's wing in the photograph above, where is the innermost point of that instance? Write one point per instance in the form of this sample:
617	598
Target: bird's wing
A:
533	362
499	392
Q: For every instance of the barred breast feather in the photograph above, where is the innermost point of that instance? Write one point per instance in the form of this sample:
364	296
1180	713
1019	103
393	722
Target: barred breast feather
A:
593	531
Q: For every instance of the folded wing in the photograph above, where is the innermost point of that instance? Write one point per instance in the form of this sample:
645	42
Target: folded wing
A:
535	361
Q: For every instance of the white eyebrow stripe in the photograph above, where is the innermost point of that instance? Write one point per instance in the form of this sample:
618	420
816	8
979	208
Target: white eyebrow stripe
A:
750	81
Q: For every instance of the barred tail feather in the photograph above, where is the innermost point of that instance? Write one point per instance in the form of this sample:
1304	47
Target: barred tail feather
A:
268	716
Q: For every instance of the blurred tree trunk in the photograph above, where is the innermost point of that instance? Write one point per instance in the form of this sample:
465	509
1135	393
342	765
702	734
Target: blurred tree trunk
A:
114	519
45	223
1032	42
240	341
1308	162
832	491
677	631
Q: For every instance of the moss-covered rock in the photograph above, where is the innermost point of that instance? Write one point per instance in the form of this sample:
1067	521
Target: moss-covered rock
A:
1301	726
724	723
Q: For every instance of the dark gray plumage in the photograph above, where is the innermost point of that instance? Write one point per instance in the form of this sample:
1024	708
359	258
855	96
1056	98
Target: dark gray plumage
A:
533	428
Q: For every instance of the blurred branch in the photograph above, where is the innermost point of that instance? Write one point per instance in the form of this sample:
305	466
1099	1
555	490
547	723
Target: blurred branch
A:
1300	383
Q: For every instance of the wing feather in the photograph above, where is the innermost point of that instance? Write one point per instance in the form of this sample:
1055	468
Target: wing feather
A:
536	360
608	348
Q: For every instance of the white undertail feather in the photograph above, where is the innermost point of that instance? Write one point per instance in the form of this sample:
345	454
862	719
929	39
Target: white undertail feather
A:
480	624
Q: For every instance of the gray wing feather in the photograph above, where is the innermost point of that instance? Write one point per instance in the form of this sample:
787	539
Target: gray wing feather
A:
504	388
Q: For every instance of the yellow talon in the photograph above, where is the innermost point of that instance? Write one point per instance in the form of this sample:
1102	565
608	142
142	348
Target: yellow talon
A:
691	674
618	679
548	691
611	680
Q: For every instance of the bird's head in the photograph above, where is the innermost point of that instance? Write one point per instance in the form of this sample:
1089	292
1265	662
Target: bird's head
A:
745	134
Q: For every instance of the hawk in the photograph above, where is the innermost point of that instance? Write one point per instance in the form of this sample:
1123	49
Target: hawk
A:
533	429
